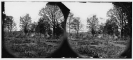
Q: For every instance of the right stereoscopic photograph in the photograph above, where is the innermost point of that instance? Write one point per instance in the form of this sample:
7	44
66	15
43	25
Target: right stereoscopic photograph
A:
100	30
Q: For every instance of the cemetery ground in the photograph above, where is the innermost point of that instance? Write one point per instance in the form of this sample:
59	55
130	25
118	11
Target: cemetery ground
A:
104	47
36	46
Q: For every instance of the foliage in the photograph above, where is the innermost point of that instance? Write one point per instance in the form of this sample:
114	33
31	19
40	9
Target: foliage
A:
9	23
43	26
69	19
25	22
92	24
110	27
54	17
76	24
33	27
117	14
101	28
53	13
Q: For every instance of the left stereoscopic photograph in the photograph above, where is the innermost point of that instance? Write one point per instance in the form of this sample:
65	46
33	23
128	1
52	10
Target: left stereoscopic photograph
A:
31	29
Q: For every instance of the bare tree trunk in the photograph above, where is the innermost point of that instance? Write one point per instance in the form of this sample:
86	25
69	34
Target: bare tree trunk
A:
69	26
77	34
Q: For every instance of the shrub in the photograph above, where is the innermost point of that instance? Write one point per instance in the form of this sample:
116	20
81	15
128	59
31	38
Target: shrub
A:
20	35
86	51
27	41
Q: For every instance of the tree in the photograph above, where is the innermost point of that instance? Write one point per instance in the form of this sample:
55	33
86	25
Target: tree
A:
9	23
119	17
69	19
25	22
111	27
76	25
54	16
32	26
101	28
108	28
92	24
42	26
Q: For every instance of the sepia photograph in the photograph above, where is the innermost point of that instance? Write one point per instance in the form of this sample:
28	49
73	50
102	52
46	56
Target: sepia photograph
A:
66	29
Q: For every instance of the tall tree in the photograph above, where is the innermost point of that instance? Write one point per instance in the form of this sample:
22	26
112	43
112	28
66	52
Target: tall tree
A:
76	25
25	22
43	26
119	17
111	28
70	18
92	24
54	15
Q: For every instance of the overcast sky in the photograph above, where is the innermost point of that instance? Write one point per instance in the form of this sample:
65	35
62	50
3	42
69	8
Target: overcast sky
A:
82	10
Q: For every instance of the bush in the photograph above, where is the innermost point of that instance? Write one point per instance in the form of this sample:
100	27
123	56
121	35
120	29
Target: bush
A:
86	51
8	34
84	43
20	35
16	41
27	41
16	48
95	43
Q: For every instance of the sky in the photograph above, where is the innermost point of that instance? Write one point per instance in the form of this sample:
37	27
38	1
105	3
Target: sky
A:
17	9
87	10
82	10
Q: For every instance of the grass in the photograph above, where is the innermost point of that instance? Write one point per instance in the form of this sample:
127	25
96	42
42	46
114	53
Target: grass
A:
25	46
103	47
